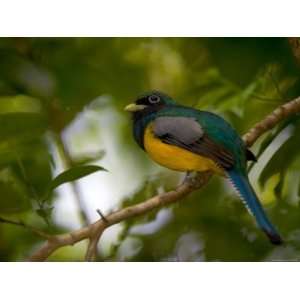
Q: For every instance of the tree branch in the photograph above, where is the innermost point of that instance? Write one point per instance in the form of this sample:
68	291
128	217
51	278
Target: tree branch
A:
94	231
26	226
271	120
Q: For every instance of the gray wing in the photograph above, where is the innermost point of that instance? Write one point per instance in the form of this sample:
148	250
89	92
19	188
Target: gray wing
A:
187	133
187	129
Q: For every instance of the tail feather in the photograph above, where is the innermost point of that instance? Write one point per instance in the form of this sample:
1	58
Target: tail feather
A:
242	185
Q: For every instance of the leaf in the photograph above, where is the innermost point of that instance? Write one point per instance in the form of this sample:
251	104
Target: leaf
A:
73	174
269	193
283	158
88	158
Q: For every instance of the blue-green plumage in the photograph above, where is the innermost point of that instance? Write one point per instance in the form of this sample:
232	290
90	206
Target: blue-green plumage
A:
241	183
215	127
216	140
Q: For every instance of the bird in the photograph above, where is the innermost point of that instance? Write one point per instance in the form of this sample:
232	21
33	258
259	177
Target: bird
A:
186	139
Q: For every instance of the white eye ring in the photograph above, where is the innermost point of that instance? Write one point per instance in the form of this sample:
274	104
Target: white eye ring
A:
154	99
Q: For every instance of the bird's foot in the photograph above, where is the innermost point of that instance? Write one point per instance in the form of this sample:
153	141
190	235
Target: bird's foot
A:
197	179
189	176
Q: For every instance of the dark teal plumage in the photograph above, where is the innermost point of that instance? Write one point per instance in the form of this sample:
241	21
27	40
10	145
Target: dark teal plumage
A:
248	195
215	127
222	135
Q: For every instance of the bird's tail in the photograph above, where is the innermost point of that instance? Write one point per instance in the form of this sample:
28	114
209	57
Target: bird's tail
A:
242	185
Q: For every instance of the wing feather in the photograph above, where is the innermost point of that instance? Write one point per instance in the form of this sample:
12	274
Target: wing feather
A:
187	133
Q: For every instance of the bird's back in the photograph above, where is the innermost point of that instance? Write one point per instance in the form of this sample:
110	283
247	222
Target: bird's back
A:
219	130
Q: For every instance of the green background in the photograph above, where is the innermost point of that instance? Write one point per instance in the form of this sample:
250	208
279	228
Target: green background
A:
48	84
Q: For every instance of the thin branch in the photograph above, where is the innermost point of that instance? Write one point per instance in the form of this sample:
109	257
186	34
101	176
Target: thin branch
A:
271	120
92	250
89	232
101	215
26	226
94	231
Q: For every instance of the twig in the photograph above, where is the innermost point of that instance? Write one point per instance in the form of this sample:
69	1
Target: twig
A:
92	251
271	120
136	210
94	231
101	214
26	226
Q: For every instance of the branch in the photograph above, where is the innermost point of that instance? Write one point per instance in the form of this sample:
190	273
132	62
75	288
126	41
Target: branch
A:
271	120
28	227
94	231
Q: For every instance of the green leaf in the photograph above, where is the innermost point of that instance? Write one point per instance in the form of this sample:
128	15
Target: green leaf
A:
88	158
73	174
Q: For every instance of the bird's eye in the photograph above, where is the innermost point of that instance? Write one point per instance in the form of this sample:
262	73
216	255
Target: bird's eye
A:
154	99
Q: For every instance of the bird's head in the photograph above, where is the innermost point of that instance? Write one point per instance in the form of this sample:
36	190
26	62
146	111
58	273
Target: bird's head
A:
149	102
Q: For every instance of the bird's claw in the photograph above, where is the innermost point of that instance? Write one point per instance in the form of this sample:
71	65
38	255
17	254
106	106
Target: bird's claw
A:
197	179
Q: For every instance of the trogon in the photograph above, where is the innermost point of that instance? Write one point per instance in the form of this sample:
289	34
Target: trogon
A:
186	139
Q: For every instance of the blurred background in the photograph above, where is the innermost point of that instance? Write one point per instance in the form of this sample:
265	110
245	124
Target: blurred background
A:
61	107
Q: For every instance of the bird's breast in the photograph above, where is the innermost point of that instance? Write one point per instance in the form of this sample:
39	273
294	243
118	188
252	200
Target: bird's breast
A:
174	157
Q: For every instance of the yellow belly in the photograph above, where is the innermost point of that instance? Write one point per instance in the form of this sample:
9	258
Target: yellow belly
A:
176	158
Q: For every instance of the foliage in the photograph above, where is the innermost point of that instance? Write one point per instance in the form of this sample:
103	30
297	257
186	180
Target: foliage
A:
46	84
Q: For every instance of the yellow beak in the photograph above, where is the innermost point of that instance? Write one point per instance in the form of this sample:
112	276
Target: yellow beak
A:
132	107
